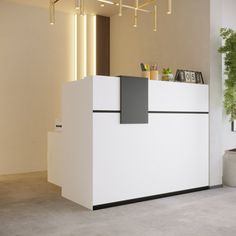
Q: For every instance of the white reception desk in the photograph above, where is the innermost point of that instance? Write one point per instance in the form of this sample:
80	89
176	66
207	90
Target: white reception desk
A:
107	163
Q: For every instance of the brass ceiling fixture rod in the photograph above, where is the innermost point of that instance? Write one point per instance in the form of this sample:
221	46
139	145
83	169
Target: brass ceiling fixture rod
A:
79	5
140	7
137	7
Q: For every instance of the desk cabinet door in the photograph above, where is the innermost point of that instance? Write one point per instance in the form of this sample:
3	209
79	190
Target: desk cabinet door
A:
131	161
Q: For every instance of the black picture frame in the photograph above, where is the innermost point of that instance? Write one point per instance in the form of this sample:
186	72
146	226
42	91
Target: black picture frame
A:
233	126
189	76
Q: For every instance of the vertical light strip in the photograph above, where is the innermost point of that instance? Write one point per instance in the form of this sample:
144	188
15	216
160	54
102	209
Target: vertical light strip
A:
91	45
169	12
155	18
80	47
94	45
85	44
75	47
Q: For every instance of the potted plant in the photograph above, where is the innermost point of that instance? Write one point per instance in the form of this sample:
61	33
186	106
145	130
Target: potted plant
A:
167	74
229	50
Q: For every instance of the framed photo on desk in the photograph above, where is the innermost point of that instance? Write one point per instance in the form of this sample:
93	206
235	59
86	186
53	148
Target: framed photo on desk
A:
188	76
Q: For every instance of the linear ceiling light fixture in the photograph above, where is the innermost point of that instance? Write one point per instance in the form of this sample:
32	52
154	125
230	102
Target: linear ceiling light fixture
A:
137	7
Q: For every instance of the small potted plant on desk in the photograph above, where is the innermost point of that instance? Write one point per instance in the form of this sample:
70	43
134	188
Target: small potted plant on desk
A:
167	75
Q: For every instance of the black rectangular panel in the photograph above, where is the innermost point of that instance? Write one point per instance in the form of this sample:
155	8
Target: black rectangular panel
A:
134	100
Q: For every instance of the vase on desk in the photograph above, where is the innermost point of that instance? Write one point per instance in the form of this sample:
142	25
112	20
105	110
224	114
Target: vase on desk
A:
167	77
154	74
146	74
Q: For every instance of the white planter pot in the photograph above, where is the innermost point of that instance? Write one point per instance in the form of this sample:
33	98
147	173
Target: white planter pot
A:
229	168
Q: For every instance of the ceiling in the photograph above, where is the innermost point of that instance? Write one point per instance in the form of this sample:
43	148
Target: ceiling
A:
91	6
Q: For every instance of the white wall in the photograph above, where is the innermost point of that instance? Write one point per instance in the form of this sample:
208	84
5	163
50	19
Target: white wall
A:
216	94
181	41
222	14
35	59
228	20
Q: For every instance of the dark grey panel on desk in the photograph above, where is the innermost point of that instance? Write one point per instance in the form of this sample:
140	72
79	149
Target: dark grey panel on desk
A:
134	100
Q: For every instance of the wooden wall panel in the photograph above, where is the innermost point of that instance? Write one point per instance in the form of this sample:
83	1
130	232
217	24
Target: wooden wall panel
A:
103	45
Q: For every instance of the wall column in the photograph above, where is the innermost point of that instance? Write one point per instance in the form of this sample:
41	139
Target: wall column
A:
216	94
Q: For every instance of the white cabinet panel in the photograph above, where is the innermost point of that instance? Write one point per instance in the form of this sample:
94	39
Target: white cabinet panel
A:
176	96
106	93
132	161
163	96
77	142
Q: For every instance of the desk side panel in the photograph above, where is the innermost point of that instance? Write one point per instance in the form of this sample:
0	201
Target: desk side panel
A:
54	158
77	142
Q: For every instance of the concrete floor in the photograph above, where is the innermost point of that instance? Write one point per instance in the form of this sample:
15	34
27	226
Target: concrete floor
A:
29	206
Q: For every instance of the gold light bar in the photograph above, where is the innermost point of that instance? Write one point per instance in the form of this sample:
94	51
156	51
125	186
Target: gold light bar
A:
106	1
81	7
133	8
77	4
146	3
120	8
155	18
51	12
169	12
124	5
135	18
136	14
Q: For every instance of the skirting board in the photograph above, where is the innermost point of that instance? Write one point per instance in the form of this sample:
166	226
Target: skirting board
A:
217	186
120	203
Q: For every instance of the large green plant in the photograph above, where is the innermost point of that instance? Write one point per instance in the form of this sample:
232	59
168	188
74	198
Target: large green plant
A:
229	50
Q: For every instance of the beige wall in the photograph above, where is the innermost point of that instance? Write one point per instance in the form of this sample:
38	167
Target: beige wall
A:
35	59
181	41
